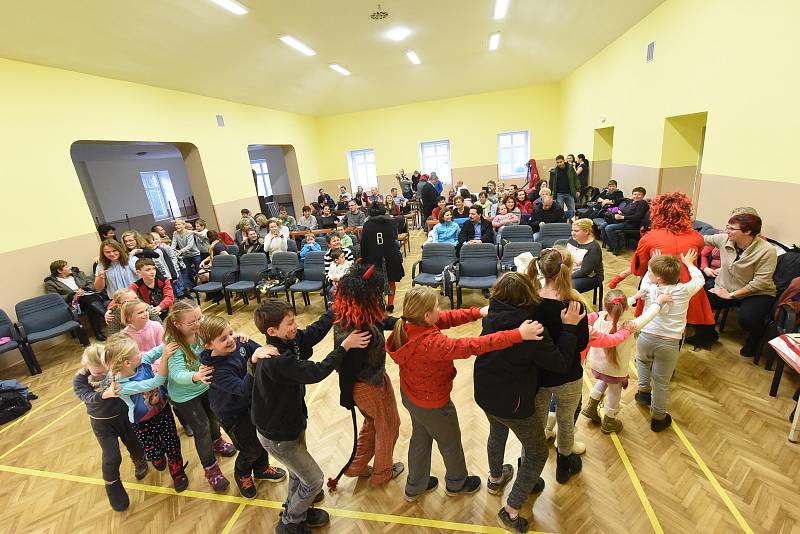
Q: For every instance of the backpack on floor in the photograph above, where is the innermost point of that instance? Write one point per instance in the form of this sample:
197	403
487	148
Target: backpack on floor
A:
12	404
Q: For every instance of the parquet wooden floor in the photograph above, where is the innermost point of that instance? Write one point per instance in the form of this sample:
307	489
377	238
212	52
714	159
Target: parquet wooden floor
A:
50	475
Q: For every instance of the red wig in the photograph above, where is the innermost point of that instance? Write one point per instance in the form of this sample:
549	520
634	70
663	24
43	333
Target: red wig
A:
672	212
358	300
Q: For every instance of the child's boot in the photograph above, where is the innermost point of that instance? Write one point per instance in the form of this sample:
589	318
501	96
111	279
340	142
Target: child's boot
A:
177	469
590	410
215	477
223	447
549	428
117	496
566	466
611	424
141	467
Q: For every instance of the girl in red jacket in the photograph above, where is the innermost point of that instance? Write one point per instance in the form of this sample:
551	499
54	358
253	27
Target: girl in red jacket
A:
425	356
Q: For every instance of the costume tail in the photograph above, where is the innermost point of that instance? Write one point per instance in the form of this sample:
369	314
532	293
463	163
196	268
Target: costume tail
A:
333	482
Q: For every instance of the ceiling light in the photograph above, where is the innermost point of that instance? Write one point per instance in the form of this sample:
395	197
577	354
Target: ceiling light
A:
232	5
398	34
413	57
297	45
341	70
494	41
500	9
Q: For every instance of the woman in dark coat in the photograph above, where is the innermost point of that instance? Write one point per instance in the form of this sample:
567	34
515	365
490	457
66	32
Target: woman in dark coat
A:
379	247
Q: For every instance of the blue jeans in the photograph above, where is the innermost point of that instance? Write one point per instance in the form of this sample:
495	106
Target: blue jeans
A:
612	240
568	200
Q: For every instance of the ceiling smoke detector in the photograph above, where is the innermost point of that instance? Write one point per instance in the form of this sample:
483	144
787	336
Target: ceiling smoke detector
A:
379	14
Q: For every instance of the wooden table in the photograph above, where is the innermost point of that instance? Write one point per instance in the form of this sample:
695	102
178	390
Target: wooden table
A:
301	233
786	355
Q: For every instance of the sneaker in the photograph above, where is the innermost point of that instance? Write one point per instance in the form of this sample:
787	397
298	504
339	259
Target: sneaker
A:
117	496
224	448
160	463
549	427
657	425
538	487
141	468
611	424
496	488
397	468
316	518
247	487
177	471
518	524
471	485
270	474
644	398
433	482
215	477
567	466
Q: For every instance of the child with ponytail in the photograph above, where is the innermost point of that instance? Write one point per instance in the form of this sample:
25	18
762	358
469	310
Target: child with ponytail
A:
425	356
610	349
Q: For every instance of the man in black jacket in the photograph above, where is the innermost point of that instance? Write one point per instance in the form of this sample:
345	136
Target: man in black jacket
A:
547	211
427	195
279	409
629	217
476	229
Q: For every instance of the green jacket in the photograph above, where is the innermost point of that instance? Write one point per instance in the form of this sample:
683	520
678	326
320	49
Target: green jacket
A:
52	284
574	183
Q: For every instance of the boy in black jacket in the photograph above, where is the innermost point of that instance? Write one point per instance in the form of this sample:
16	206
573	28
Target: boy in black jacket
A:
230	394
279	410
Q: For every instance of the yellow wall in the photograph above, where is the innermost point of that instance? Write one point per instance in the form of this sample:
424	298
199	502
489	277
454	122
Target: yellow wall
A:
471	123
44	110
731	58
683	140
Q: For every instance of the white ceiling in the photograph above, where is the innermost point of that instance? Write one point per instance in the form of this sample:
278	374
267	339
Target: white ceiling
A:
84	151
195	46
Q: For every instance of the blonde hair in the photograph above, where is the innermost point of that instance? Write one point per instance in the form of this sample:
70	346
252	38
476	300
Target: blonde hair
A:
119	294
94	355
173	334
419	300
744	209
615	304
120	347
555	264
260	219
126	310
545	192
584	224
244	221
212	327
140	242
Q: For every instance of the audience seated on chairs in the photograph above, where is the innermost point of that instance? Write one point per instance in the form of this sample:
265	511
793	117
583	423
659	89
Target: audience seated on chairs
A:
609	197
324	199
629	217
287	220
217	248
548	211
335	243
475	229
326	218
484	202
392	209
262	225
587	256
77	289
460	210
309	245
347	241
274	242
307	221
441	203
446	231
524	206
252	243
503	218
354	216
374	196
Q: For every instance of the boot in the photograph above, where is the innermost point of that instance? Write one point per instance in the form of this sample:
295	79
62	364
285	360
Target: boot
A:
215	477
117	496
590	410
141	467
566	466
224	448
611	424
177	470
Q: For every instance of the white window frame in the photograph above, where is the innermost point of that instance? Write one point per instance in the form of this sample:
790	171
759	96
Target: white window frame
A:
262	177
164	192
442	168
362	173
500	153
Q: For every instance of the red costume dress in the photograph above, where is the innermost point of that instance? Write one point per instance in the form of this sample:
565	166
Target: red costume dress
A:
674	245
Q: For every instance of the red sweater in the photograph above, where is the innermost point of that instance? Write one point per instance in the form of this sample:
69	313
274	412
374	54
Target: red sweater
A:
426	359
166	288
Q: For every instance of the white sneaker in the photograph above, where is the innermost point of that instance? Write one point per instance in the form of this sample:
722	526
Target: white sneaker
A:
578	447
549	428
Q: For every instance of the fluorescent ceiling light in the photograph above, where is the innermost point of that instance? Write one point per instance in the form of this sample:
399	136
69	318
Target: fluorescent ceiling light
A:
413	57
341	70
231	5
398	34
297	45
500	9
494	41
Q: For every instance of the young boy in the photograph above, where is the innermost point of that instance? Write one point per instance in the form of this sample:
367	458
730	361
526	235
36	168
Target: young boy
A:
287	220
152	288
230	393
310	245
161	261
347	241
278	407
658	346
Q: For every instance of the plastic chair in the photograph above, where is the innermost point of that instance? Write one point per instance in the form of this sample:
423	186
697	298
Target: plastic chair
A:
291	246
435	257
312	279
323	243
516	232
478	268
514	249
252	267
288	263
551	232
223	273
233	250
45	317
9	329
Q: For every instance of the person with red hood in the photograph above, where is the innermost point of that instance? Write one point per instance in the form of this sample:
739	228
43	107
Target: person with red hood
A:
425	356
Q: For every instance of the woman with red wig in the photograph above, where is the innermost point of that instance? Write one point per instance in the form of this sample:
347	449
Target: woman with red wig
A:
671	233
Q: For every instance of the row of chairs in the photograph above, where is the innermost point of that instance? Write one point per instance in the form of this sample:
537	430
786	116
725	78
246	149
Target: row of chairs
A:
549	234
39	318
291	245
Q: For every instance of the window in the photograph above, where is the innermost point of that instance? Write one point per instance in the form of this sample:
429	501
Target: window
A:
362	169
263	185
435	157
513	153
158	188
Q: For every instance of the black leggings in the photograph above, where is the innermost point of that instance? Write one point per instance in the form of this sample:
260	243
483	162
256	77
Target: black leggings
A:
205	425
252	455
108	433
753	313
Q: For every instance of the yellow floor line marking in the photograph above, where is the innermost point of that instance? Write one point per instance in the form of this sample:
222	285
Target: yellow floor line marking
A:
711	478
45	427
33	411
637	485
233	519
262	503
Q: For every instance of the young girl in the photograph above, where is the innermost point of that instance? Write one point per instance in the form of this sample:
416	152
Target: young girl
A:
425	356
113	315
274	242
108	417
555	267
610	349
146	333
188	388
525	206
146	397
503	218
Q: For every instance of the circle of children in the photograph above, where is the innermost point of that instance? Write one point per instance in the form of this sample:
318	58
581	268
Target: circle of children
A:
536	335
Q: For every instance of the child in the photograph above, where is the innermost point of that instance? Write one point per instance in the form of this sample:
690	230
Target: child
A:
146	397
230	394
188	388
147	334
503	217
658	346
108	417
347	241
425	356
152	288
278	407
339	267
310	245
113	315
160	261
610	347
